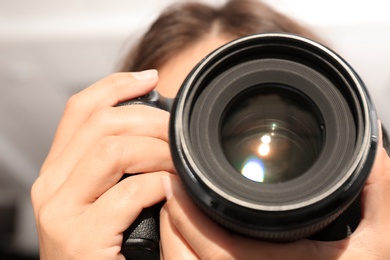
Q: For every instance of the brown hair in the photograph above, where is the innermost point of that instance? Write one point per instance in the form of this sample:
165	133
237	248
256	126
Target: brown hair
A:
181	25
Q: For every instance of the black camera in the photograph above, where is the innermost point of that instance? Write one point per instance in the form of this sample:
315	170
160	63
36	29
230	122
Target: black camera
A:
273	136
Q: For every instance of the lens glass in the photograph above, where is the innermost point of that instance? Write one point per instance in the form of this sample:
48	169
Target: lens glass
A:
273	135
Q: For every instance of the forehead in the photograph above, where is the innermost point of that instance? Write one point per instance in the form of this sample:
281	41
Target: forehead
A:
173	72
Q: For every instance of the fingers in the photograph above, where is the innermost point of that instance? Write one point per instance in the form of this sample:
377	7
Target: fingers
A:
374	225
136	121
103	166
210	241
98	119
95	232
105	93
207	240
121	121
79	205
192	224
132	120
173	245
125	200
377	188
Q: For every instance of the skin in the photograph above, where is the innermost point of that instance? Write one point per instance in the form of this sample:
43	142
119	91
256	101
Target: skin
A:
188	233
173	72
81	210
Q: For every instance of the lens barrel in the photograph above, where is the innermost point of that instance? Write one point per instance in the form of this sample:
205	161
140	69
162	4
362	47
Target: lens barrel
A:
273	136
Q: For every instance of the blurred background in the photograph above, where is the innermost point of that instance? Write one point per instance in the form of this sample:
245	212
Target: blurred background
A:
51	49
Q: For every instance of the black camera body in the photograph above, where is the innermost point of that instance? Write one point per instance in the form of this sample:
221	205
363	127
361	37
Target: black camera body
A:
273	136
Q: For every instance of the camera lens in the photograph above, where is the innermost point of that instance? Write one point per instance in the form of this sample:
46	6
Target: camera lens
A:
273	136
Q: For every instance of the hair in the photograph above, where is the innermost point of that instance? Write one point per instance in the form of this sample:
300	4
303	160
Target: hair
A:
183	24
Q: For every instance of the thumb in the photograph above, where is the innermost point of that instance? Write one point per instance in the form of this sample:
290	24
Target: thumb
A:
376	209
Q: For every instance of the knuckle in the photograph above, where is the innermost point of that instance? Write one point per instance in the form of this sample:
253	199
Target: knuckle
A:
128	191
44	217
39	192
74	103
110	149
36	191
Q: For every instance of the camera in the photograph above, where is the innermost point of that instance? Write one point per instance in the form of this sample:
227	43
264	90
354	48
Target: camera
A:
273	136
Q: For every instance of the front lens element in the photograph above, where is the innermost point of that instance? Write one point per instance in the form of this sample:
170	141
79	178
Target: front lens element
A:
273	137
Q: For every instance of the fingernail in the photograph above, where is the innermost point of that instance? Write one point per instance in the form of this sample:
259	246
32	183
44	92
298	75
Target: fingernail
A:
167	186
145	75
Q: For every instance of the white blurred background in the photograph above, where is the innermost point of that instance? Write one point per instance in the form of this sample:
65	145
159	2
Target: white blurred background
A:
50	49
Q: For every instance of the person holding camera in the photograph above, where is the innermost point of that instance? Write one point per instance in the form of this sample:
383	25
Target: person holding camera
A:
81	206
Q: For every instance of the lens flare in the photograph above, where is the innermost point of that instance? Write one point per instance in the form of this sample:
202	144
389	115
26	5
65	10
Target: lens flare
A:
263	150
265	139
264	147
254	170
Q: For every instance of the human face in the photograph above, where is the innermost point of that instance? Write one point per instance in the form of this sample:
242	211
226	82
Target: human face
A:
173	73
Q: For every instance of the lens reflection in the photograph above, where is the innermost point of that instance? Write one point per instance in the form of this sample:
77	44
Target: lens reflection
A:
253	169
271	138
264	147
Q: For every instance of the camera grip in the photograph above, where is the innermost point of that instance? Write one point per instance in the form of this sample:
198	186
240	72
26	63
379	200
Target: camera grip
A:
142	239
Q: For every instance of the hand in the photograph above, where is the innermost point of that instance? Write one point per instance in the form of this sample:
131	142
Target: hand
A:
81	210
186	233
